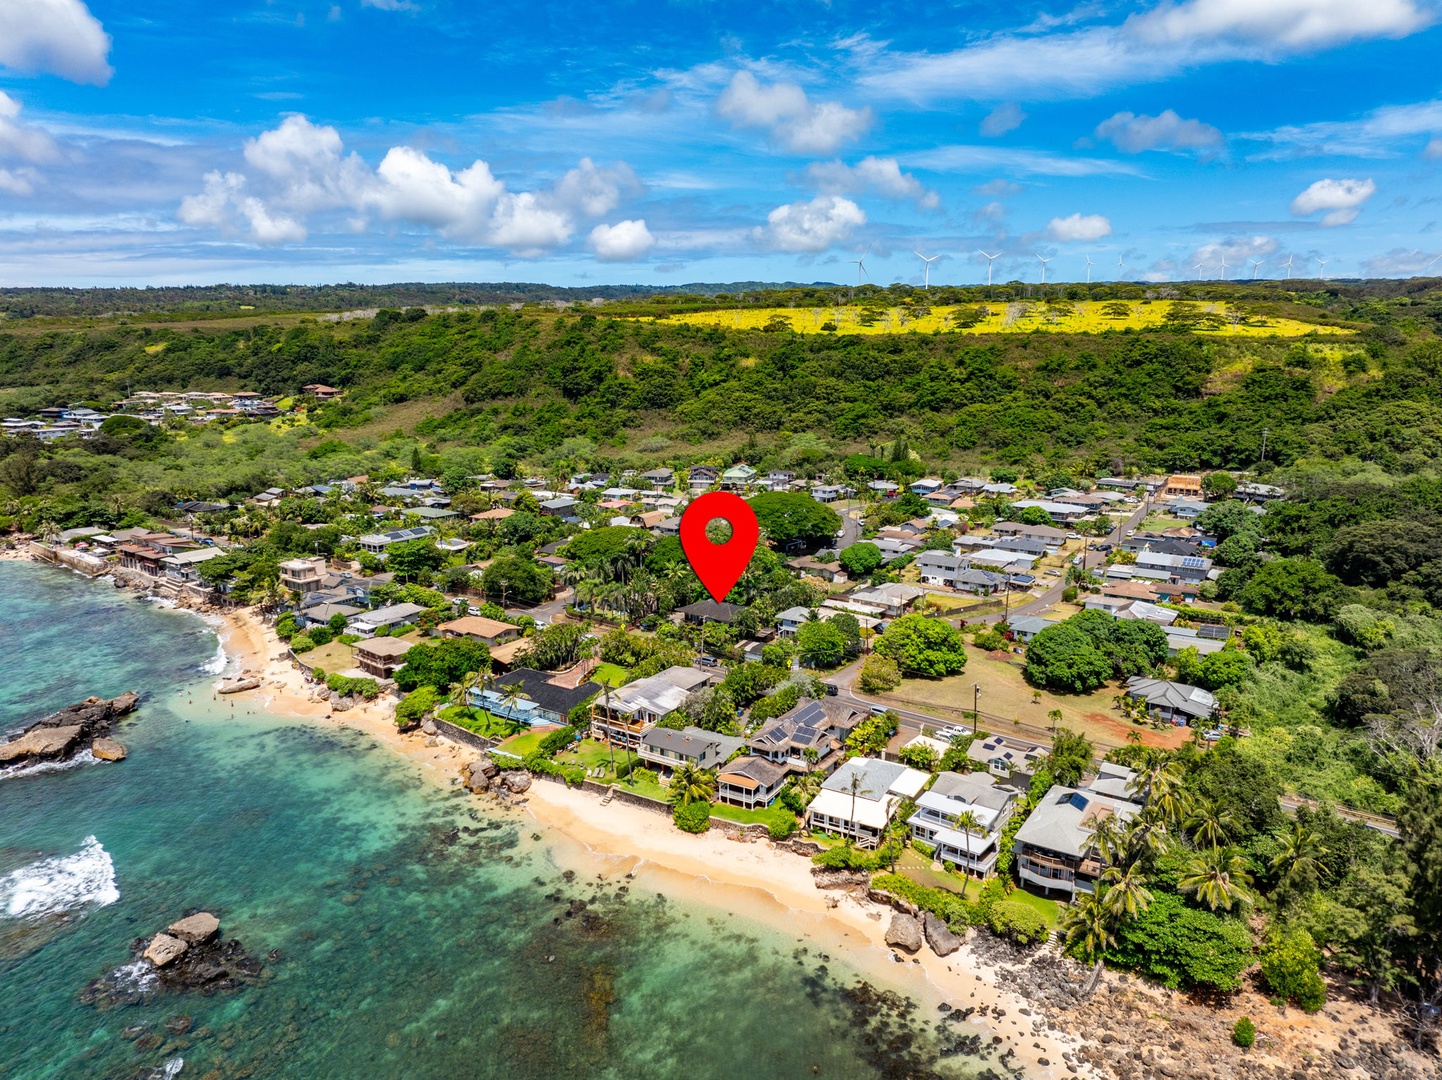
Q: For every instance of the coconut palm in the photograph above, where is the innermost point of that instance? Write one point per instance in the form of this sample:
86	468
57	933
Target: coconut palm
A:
691	784
1109	837
512	694
1088	927
1159	784
1211	824
969	823
1126	894
1218	878
1300	860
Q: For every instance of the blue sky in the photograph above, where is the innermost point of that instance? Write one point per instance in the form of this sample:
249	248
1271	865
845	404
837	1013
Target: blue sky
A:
668	142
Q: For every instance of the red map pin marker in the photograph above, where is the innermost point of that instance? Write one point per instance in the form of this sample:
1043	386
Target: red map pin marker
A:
719	566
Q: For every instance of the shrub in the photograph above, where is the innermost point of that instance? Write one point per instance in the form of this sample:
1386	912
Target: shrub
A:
646	776
557	741
285	627
574	775
879	674
1289	968
692	817
1244	1032
846	857
1017	922
415	706
950	908
989	640
321	635
363	687
1184	947
1069	594
301	643
782	825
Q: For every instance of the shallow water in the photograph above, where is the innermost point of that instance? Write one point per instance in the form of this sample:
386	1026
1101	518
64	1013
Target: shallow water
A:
417	936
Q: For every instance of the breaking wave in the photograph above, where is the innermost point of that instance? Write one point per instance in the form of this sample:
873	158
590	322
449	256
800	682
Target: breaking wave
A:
60	884
216	664
84	757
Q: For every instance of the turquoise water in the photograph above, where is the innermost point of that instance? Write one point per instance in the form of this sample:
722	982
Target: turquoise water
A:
418	936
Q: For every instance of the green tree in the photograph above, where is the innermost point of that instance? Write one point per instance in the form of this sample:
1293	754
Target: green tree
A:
1292	589
1064	657
692	784
923	646
1219	879
1182	947
414	557
1219	485
785	517
556	647
1071	756
516	579
878	674
860	559
821	644
441	663
1290	968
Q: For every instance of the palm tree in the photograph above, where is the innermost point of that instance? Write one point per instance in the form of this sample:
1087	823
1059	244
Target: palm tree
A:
461	691
969	823
511	697
1218	878
691	784
1087	926
1211	823
1300	860
1126	895
1054	716
1159	783
1109	837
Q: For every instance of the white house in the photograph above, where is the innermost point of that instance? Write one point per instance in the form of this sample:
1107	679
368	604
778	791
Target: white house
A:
860	798
936	821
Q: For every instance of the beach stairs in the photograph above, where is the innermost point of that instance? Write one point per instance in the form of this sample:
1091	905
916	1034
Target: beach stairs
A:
610	793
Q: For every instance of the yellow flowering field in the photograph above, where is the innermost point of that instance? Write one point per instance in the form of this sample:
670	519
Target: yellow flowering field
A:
1084	317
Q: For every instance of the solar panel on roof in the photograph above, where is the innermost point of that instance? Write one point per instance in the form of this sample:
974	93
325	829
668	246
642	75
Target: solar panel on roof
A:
1077	800
1192	562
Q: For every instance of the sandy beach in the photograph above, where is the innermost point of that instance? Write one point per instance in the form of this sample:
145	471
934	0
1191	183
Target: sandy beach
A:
754	879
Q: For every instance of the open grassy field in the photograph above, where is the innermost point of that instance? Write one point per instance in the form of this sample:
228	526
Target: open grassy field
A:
1006	694
1089	317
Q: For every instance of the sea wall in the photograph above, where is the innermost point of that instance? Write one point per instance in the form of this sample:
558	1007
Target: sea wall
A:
79	561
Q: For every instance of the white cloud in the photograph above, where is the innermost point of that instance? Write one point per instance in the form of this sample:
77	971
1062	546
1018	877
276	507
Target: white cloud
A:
1399	262
1002	119
793	120
18	181
1342	199
1294	25
59	37
998	189
19	141
1156	44
1380	133
299	169
1079	227
1434	148
625	241
964	158
1238	252
810	226
1167	131
881	176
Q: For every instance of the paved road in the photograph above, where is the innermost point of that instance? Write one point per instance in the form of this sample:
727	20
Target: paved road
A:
850	530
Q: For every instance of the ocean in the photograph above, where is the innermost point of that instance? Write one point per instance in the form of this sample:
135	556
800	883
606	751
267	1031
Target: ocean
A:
403	930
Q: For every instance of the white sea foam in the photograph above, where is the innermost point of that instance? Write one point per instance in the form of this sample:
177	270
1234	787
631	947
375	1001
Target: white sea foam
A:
60	884
83	758
172	1067
136	977
216	664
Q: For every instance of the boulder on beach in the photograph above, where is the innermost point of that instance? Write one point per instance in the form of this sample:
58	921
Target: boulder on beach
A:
516	781
904	933
108	750
164	949
939	936
198	929
428	726
824	878
237	685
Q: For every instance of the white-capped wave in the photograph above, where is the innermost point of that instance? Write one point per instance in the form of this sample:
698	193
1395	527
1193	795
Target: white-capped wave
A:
84	757
136	977
60	884
216	664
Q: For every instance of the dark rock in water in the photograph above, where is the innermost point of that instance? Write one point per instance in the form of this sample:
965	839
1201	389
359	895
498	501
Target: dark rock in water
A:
189	956
178	1025
61	735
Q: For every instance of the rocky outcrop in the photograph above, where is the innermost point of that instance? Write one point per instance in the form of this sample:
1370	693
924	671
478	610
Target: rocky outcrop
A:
477	775
237	685
839	879
516	781
904	933
108	750
939	936
62	735
188	955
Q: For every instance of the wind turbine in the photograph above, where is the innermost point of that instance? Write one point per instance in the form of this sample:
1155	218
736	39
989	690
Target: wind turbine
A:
1090	264
1256	265
1120	267
1043	266
928	263
861	265
1224	268
1288	265
989	260
1322	267
1198	269
1432	263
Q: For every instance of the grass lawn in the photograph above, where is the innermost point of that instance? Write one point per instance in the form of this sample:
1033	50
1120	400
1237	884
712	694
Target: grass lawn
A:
590	754
649	788
742	816
1158	522
610	674
331	658
521	745
1006	694
1049	910
485	724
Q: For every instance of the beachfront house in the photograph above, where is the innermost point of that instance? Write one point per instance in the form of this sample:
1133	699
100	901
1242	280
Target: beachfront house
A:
1054	847
669	748
532	697
389	617
381	657
632	710
859	799
962	817
750	782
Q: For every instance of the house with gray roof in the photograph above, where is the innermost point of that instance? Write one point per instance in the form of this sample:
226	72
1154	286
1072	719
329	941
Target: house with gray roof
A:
860	798
750	782
669	748
1006	757
544	697
393	615
630	711
1178	702
804	739
940	810
1054	847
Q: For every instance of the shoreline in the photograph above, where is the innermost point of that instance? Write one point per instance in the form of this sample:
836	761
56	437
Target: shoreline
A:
751	879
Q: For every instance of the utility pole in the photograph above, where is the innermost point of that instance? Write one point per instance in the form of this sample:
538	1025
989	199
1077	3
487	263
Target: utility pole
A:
975	716
1264	444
